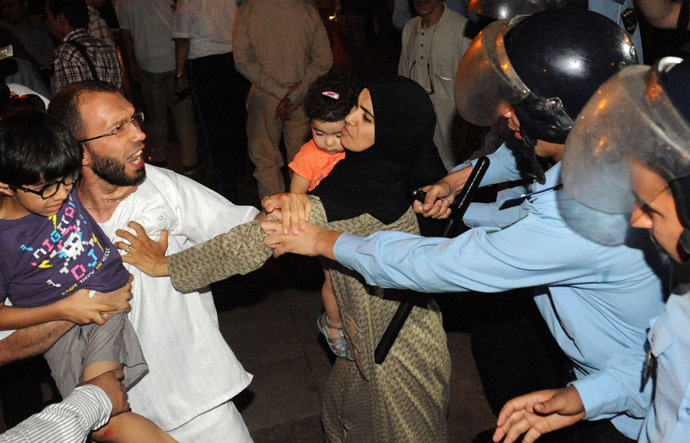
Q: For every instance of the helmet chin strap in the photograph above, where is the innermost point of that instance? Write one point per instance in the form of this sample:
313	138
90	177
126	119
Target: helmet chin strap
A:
529	164
681	271
679	189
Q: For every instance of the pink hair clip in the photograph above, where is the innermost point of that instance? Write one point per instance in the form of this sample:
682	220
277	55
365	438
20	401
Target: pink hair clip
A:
331	94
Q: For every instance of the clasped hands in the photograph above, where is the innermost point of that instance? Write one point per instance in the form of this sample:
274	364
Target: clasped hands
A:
285	106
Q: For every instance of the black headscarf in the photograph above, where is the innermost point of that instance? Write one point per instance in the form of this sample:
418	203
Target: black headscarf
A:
379	180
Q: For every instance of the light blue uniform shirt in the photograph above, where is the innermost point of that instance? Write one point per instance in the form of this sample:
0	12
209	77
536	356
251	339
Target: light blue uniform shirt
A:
613	10
604	297
669	417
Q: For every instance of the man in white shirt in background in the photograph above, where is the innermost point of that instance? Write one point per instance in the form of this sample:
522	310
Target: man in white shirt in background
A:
146	27
203	38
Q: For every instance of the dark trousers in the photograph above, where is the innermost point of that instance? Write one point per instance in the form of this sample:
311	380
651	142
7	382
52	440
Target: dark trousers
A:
20	388
516	354
220	93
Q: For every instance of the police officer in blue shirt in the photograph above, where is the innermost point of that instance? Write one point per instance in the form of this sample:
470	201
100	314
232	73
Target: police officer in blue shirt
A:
629	153
597	300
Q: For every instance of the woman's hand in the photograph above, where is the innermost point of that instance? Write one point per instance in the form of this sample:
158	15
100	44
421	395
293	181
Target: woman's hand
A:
79	308
311	241
142	252
292	209
538	413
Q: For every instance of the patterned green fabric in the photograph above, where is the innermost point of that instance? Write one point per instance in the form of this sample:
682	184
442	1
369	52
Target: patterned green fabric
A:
405	398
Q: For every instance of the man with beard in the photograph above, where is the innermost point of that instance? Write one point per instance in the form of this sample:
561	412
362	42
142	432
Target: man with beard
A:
187	393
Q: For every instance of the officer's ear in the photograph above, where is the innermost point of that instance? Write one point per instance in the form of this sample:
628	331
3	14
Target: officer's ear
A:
507	111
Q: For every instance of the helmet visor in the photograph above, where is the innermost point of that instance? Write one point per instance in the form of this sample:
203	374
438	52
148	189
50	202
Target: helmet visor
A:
485	82
630	118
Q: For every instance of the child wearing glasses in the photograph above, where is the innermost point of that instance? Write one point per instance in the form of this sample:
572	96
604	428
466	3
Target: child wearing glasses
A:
329	99
55	257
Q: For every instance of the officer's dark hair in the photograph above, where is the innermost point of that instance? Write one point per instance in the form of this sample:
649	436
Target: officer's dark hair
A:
75	12
331	97
64	106
36	148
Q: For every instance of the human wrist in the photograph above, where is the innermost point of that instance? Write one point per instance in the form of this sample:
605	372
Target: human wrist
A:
160	267
456	181
325	243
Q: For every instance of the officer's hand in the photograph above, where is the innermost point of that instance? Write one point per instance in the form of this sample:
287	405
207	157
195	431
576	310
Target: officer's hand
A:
538	413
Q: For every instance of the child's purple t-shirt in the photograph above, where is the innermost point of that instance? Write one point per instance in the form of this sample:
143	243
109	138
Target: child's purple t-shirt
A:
45	259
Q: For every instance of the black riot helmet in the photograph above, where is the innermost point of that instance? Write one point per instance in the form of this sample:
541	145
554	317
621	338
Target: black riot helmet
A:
545	65
504	9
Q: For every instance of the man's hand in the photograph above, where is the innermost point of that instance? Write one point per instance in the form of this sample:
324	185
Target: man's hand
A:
292	87
120	193
118	298
79	308
147	255
285	106
311	241
538	413
182	89
292	209
111	383
441	194
284	109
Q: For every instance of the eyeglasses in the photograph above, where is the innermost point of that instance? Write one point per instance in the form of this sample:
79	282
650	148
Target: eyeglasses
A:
50	189
123	128
428	73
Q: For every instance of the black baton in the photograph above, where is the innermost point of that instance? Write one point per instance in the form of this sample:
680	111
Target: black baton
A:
459	206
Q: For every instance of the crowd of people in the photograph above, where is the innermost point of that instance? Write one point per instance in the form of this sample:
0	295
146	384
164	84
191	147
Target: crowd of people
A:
107	254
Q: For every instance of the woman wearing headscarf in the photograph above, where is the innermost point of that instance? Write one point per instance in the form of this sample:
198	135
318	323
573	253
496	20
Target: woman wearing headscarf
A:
388	136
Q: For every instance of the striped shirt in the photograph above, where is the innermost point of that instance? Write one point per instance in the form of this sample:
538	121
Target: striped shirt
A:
71	67
70	421
99	28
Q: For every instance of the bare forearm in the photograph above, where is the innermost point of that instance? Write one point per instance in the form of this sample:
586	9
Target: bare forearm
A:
35	340
181	53
660	13
12	317
128	47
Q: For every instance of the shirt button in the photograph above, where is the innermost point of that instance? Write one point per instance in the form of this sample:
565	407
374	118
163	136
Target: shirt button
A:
422	57
422	45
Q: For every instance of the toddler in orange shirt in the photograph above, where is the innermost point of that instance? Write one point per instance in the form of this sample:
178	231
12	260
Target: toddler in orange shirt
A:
329	99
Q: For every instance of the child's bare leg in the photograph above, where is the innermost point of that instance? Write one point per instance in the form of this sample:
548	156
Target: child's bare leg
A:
128	426
330	322
330	305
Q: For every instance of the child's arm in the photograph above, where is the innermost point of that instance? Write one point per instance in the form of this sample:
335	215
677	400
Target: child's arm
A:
78	308
299	184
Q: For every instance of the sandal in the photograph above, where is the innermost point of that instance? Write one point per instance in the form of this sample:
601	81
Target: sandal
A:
339	344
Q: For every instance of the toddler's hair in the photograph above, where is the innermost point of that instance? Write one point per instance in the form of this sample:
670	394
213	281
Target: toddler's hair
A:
34	148
331	97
